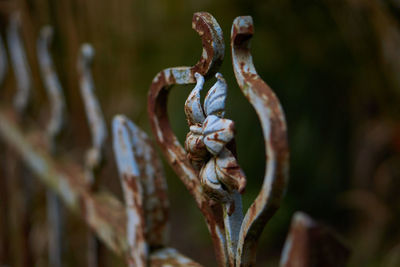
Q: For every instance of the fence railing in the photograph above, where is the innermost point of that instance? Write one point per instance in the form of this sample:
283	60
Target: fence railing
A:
138	228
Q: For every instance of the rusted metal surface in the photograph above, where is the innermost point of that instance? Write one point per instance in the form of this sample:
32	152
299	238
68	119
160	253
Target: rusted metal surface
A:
3	61
270	114
54	128
310	244
210	132
133	192
19	63
154	186
213	52
138	229
220	175
97	125
209	169
144	189
101	211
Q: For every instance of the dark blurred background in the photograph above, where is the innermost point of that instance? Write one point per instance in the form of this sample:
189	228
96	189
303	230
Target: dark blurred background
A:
334	64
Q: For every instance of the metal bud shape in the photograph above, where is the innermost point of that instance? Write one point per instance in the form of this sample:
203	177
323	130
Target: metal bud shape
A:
211	185
229	172
193	110
214	103
221	176
217	133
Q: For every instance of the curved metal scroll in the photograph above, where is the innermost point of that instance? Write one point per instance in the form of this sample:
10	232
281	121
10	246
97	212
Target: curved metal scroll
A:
52	85
144	186
133	192
273	123
213	51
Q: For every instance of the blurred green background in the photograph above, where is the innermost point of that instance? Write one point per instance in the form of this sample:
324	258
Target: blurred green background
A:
334	64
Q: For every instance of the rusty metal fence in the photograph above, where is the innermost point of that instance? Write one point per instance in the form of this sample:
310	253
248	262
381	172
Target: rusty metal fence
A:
137	229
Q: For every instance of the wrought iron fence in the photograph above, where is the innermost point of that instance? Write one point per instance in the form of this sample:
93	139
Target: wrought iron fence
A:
137	229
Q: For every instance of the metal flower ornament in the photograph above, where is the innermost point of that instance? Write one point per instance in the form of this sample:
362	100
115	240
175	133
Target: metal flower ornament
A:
206	142
207	165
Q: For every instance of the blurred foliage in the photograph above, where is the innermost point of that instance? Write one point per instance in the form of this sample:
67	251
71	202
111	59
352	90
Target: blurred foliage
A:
334	65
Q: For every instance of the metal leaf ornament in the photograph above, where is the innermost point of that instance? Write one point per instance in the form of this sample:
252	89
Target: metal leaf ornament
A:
206	142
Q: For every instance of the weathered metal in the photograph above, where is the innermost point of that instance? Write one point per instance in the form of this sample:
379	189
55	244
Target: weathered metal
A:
133	191
97	125
138	229
19	63
54	129
103	212
219	172
144	188
220	175
271	116
209	177
213	52
311	244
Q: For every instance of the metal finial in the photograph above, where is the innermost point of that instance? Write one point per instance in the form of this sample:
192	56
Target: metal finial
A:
94	114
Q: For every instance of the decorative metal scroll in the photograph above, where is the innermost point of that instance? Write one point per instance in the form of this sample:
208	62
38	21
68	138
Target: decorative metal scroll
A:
208	167
273	124
144	188
212	56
